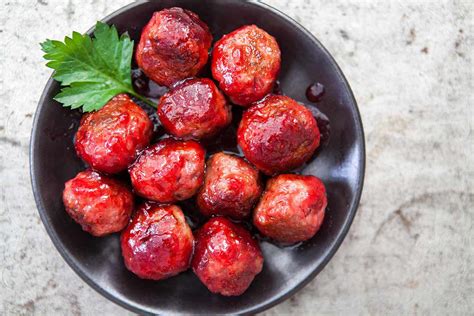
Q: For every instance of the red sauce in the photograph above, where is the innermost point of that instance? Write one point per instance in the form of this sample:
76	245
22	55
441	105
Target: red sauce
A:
315	92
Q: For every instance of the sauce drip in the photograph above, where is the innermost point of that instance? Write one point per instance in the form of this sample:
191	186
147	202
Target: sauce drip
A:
323	125
277	88
315	92
145	86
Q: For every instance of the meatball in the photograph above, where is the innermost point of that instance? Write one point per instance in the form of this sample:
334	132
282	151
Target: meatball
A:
291	208
246	63
174	45
231	187
194	109
169	171
226	258
100	204
158	243
109	139
278	134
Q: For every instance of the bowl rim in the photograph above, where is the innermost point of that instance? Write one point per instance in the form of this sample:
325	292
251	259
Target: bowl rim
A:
352	210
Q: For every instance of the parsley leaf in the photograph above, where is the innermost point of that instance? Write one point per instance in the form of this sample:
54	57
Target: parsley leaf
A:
92	70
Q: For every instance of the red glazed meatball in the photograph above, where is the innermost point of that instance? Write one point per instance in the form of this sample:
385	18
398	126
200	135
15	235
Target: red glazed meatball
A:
278	134
109	139
291	208
158	243
226	258
100	204
246	63
174	45
194	109
231	187
169	171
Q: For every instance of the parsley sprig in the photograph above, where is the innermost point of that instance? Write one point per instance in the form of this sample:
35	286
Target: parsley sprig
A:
92	70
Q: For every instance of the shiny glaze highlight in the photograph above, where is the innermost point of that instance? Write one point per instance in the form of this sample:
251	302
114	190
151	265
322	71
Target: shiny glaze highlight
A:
278	134
173	46
169	171
100	204
110	138
158	243
194	109
226	258
246	63
291	209
231	187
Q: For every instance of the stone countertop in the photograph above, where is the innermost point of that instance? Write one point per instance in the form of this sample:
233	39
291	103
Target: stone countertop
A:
410	248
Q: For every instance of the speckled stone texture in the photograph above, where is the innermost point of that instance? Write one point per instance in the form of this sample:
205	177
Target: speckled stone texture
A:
410	249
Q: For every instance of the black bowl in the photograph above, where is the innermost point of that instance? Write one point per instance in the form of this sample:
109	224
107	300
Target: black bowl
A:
340	165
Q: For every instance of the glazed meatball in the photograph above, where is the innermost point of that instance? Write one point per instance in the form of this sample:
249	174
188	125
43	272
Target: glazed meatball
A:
174	45
109	139
231	187
158	243
278	134
100	204
169	171
194	109
246	63
226	258
291	208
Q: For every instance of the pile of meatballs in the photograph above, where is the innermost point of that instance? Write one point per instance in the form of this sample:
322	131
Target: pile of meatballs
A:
276	135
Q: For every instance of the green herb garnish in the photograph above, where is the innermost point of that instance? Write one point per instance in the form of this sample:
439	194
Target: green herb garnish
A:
92	70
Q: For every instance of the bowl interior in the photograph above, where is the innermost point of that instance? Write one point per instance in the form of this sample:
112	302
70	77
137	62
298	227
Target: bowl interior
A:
340	165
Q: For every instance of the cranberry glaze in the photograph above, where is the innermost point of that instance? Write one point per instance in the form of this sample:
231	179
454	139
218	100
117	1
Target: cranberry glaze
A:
158	243
169	171
291	209
100	204
246	63
231	187
278	134
194	109
174	45
226	258
110	138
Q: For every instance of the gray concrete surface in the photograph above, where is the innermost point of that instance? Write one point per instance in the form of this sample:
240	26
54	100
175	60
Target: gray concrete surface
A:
410	249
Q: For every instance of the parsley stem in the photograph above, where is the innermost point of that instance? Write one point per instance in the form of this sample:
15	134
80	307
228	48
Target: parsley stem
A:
142	98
